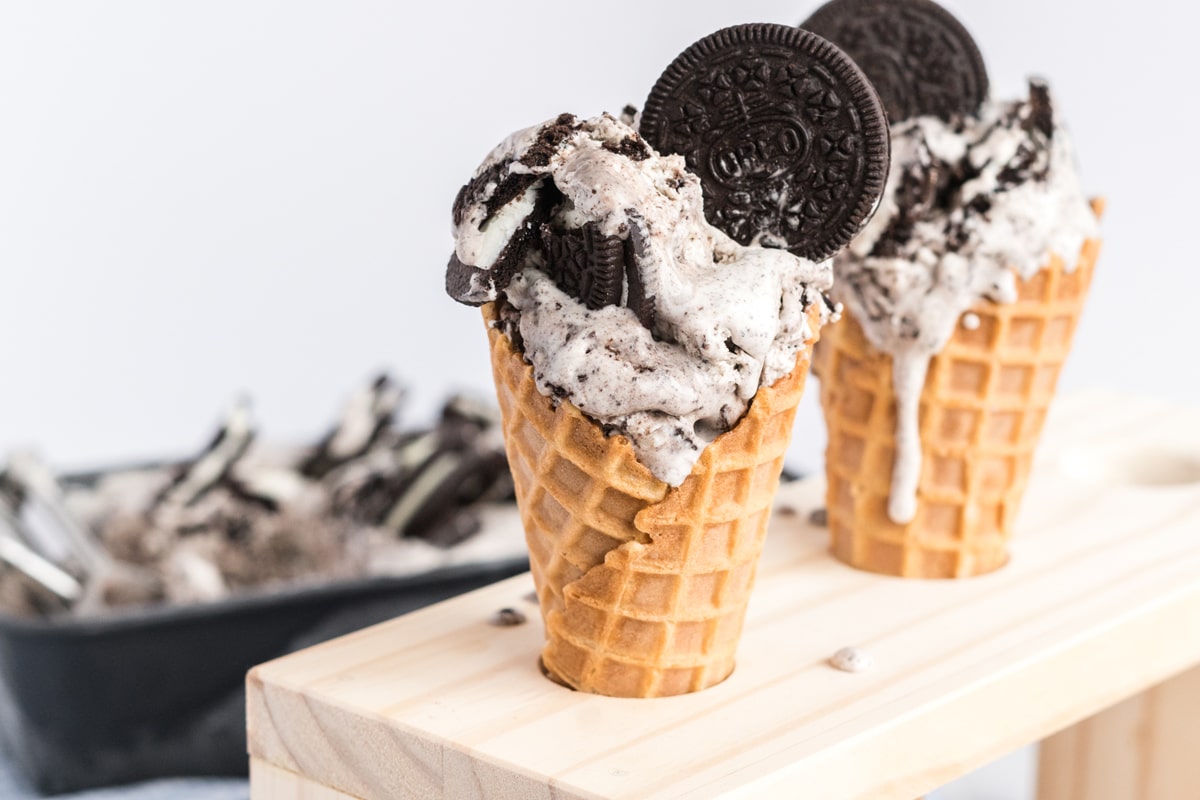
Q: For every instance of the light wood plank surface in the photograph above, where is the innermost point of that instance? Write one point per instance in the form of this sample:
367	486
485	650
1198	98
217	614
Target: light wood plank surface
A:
268	782
1144	748
1100	601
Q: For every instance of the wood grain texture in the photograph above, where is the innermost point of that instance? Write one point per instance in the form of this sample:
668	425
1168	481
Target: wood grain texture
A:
1100	601
269	782
1145	748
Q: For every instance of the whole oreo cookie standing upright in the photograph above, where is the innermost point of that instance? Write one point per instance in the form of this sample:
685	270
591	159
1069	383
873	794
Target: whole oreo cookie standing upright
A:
787	135
920	58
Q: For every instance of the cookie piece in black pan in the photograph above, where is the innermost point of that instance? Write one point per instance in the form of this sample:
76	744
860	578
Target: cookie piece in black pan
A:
920	58
786	133
447	484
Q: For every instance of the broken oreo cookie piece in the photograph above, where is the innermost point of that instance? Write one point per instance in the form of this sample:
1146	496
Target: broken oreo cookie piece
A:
1041	109
214	464
474	286
920	58
517	202
429	485
549	138
600	270
465	283
367	417
507	618
637	249
787	135
586	264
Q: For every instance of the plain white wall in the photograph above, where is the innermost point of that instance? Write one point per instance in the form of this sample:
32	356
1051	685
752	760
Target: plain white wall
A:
199	200
204	199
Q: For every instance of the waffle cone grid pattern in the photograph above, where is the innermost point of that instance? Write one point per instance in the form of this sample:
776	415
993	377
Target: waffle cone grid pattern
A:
643	587
981	413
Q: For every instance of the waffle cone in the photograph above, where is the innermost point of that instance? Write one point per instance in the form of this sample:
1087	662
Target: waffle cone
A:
982	407
643	587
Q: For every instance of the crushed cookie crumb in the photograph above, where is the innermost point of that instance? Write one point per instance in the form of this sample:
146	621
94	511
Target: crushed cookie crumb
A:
507	618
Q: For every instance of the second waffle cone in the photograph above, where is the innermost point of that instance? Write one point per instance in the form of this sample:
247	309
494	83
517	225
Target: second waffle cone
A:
982	408
643	587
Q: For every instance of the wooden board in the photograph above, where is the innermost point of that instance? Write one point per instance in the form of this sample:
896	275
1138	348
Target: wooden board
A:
269	782
1144	748
1101	600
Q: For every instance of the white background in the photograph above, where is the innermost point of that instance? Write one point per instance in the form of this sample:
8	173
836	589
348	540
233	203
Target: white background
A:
206	199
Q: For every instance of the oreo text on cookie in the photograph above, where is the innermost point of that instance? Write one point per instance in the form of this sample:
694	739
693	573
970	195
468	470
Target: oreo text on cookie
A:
762	150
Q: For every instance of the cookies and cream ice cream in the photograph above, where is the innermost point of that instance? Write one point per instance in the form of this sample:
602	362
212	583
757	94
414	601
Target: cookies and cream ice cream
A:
971	205
623	298
368	499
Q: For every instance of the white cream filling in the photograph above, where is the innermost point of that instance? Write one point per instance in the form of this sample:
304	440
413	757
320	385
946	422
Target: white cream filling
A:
482	249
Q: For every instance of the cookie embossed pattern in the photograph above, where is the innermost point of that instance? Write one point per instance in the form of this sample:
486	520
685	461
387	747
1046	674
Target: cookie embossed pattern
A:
920	58
791	152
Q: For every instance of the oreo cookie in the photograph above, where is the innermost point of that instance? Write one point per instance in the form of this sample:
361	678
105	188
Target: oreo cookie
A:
787	135
1041	109
637	250
586	264
471	285
367	418
494	189
601	270
920	58
214	464
428	485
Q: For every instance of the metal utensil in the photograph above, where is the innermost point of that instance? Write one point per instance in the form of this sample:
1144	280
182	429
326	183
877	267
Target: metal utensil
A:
103	576
19	555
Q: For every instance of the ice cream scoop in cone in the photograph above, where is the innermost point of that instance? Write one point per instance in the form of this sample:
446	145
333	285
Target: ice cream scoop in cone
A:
643	587
982	406
648	362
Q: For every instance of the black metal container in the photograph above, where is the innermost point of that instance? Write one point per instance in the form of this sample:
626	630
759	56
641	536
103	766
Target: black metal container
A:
160	691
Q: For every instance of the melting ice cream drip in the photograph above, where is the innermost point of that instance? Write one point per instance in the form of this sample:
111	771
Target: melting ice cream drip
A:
971	205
